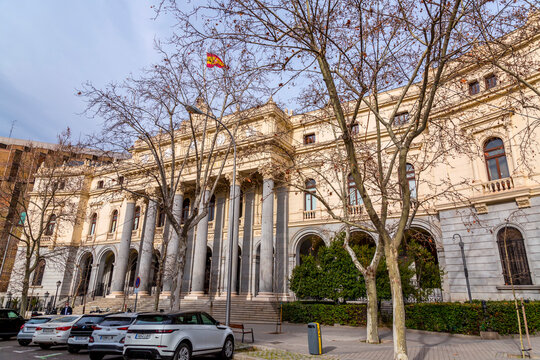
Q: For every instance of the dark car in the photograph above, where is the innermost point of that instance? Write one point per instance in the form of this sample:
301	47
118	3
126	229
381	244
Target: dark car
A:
10	323
81	331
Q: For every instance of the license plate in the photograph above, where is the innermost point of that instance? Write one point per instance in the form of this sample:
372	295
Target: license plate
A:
48	330
142	336
26	329
81	338
106	337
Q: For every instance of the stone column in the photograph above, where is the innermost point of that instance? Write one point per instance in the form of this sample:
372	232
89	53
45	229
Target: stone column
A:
172	247
199	256
234	222
267	238
120	268
147	248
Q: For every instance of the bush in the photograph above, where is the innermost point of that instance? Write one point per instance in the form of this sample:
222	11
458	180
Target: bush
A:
460	318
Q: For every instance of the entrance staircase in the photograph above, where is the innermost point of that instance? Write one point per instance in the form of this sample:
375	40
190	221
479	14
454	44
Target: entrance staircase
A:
242	310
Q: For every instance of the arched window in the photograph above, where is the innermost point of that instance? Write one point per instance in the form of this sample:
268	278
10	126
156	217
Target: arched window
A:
49	229
93	221
114	221
136	217
496	163
513	257
185	210
161	217
212	208
354	194
411	179
241	207
38	273
310	202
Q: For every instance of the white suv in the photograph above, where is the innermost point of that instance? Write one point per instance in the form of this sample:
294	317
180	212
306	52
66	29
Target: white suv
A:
177	336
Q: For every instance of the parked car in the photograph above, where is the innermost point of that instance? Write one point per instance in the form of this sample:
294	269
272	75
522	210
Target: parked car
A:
26	332
55	332
10	323
81	331
177	336
108	337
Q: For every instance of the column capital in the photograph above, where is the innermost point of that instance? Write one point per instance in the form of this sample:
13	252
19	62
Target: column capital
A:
131	197
229	177
152	193
267	172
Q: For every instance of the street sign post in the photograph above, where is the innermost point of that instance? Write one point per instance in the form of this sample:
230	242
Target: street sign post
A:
137	284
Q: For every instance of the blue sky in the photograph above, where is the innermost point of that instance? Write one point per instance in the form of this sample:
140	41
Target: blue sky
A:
49	48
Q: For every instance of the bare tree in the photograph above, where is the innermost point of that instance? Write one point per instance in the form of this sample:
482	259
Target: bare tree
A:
172	151
46	208
354	54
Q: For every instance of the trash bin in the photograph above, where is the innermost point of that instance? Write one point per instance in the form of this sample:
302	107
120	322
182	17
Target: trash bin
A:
314	339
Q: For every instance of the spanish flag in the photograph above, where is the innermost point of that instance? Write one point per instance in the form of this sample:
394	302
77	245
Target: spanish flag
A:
214	60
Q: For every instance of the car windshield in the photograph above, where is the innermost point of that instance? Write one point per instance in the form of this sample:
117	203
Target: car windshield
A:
65	319
89	320
38	321
153	319
116	321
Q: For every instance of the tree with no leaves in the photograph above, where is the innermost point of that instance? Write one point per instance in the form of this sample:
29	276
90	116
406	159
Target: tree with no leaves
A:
389	59
172	151
45	209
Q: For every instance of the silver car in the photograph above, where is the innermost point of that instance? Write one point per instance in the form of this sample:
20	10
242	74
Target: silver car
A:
108	336
54	332
177	336
24	337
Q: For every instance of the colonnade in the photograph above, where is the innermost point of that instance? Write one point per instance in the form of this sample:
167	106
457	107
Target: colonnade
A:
198	269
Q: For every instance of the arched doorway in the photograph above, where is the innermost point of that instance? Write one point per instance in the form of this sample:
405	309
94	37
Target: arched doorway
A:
420	244
207	269
308	245
84	271
257	260
105	270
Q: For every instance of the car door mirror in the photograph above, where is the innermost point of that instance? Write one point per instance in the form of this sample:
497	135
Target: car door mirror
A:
218	323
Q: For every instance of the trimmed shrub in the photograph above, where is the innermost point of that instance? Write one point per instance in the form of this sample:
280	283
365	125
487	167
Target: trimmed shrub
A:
460	318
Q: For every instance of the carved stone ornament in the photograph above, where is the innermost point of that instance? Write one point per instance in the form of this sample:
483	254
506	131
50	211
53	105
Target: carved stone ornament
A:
481	208
523	202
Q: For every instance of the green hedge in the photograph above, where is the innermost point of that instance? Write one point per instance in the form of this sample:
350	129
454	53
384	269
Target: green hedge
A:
444	317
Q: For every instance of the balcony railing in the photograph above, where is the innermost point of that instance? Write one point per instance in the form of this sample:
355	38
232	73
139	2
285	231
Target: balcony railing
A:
496	186
355	209
309	214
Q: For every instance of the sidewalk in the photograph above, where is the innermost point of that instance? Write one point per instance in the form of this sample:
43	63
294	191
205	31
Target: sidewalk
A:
344	342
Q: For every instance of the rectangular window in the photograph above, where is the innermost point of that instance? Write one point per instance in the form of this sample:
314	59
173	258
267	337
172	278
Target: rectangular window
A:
355	129
100	184
401	119
474	88
491	81
309	139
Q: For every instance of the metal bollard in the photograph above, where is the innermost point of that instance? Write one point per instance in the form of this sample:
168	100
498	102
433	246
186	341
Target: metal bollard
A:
314	339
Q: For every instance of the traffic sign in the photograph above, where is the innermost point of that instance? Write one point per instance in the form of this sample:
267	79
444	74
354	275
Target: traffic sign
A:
137	282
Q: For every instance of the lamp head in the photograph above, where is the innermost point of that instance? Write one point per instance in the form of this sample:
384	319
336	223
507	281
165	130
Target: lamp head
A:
193	110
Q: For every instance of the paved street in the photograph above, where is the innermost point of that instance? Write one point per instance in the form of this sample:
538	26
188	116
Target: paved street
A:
339	342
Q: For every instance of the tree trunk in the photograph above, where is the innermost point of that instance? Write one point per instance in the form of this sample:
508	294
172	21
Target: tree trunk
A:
372	328
400	341
178	273
25	286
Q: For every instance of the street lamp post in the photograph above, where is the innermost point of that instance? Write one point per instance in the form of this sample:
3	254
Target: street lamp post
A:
465	270
58	283
193	110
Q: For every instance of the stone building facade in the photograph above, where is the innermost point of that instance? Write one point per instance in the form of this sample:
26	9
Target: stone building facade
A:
497	218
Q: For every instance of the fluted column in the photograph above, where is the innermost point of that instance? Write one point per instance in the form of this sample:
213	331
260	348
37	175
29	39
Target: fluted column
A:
120	268
147	248
199	256
172	247
234	222
267	238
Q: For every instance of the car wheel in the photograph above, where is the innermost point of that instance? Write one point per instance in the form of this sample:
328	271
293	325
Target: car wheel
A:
24	342
45	346
228	349
183	352
73	349
94	356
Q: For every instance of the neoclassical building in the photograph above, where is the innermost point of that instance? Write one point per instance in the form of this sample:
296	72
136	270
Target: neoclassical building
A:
497	215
